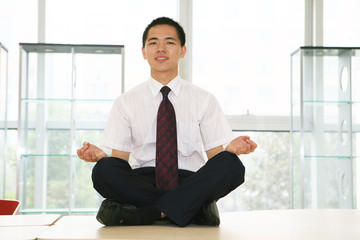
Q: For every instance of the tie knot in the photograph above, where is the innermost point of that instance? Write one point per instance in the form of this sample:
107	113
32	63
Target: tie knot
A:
165	91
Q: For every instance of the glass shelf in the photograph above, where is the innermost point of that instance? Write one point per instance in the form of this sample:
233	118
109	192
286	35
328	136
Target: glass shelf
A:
327	102
325	126
48	155
338	157
319	103
66	93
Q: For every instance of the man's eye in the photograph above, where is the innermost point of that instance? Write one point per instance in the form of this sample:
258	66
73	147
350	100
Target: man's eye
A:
152	43
170	43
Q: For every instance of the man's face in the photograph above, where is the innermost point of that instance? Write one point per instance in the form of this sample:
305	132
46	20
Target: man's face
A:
163	50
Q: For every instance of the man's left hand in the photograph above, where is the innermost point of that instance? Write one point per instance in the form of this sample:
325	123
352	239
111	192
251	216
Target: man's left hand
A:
241	145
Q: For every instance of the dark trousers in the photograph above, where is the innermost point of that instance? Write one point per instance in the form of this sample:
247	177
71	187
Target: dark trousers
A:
113	178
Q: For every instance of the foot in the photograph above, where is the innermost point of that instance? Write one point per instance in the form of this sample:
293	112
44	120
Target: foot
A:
113	213
208	215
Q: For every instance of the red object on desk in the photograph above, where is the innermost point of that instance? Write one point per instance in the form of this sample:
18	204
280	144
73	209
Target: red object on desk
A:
9	207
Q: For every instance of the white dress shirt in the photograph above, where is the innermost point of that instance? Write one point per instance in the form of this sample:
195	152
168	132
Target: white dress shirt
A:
200	122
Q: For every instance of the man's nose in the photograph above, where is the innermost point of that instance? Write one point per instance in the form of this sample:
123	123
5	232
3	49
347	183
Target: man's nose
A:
161	47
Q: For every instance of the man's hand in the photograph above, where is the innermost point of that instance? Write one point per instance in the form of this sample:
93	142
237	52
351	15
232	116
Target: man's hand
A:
241	145
90	153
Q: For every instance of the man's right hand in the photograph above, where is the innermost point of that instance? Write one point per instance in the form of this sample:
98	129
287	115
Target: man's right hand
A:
90	153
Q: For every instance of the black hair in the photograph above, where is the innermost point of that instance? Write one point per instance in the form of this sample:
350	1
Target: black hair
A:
165	21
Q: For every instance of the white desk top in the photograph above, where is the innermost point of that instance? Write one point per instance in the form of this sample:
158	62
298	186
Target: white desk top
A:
28	220
24	227
270	224
21	232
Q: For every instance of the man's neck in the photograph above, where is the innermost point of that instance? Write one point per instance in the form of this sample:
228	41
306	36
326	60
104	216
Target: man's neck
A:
164	78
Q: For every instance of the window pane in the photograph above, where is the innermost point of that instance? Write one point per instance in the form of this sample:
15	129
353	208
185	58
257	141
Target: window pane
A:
18	23
242	52
118	22
267	178
11	167
341	23
3	117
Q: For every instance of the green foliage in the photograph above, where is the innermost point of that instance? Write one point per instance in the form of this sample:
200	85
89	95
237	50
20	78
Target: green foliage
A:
268	176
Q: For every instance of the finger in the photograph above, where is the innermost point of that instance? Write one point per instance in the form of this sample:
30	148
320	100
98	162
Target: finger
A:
254	146
83	150
251	144
79	153
247	149
86	146
245	138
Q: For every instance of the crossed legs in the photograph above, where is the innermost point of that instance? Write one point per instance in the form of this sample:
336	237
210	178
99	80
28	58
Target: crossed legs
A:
114	179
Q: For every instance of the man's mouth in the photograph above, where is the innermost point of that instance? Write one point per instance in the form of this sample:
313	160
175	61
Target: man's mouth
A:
161	58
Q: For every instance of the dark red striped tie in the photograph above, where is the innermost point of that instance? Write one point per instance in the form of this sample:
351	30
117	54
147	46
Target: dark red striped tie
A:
166	145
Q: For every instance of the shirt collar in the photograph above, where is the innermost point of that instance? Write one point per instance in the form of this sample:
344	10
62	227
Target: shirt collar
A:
174	85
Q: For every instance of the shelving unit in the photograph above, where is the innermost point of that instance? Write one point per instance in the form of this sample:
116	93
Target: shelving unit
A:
325	111
66	92
3	116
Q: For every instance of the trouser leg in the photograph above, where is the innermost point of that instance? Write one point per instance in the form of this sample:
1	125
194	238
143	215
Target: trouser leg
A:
113	178
218	177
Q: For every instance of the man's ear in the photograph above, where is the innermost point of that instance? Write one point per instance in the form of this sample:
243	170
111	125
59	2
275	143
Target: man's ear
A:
143	52
183	51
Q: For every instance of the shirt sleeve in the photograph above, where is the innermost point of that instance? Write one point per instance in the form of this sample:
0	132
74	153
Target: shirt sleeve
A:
117	133
214	128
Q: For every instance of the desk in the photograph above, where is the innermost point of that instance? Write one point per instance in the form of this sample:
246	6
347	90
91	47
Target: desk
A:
24	227
255	225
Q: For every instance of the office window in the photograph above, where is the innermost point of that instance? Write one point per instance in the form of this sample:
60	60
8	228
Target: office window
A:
242	52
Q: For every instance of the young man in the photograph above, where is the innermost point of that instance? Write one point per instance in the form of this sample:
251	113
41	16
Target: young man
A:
185	187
